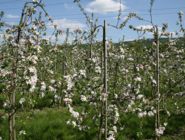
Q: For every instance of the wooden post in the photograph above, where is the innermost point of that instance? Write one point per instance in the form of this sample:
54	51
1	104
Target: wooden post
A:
158	81
105	75
103	117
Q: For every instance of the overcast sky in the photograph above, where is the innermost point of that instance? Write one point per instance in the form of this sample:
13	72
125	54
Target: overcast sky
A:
67	15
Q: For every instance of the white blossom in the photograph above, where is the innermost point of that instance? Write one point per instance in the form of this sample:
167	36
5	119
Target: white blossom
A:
94	60
142	114
73	113
52	81
82	72
22	100
83	98
97	69
32	80
154	81
42	94
137	79
103	96
111	137
130	59
116	114
68	79
168	113
115	129
32	69
6	104
116	96
50	71
137	68
33	59
140	96
73	123
121	56
4	72
22	132
159	131
67	100
165	124
43	86
150	113
122	50
57	97
68	122
52	89
154	111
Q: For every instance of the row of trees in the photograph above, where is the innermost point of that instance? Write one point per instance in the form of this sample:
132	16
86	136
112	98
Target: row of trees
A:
100	86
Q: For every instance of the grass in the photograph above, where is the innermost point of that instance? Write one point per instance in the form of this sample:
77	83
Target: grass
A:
47	124
50	124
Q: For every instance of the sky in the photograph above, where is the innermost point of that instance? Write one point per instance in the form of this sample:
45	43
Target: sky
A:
66	14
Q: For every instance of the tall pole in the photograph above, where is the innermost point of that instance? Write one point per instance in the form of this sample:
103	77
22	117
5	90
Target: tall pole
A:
157	80
105	75
103	118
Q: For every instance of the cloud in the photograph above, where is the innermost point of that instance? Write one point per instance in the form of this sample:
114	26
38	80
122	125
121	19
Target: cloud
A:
66	23
104	6
11	16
